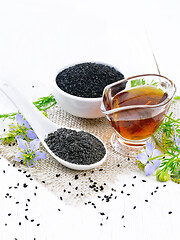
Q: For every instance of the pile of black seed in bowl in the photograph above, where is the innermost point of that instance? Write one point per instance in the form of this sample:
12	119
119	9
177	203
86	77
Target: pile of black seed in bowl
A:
76	147
87	80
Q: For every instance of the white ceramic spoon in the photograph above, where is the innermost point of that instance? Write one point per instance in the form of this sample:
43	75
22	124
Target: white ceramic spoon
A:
40	124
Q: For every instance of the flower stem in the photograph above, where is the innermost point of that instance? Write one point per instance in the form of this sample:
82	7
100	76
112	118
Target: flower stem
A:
158	143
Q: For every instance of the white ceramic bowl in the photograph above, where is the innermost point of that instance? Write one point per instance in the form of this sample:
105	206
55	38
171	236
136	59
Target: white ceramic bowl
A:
77	106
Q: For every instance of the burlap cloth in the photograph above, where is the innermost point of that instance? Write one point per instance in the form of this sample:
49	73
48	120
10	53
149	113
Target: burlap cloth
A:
77	186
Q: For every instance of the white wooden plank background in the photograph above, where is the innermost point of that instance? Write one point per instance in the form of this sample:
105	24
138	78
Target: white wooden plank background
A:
37	39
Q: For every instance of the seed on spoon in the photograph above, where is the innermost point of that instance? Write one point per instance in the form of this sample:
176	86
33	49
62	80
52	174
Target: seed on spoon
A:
76	147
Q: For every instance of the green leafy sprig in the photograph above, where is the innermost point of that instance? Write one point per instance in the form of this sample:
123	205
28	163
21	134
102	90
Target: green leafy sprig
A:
169	157
170	162
42	104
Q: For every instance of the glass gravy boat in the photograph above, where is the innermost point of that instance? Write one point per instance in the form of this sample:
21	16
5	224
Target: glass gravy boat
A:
135	107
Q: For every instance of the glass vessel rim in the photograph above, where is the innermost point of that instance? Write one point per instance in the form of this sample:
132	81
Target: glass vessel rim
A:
166	101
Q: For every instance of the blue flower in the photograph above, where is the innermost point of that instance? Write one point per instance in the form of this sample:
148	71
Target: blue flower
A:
29	155
22	129
145	158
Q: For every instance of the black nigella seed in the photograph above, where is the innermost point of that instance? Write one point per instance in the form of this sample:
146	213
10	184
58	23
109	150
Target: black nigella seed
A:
64	190
28	175
134	177
92	171
146	200
26	209
26	217
4	171
118	165
31	179
164	185
101	169
128	159
128	194
157	187
9	214
14	165
26	205
59	209
84	174
101	224
61	198
122	192
134	207
69	183
87	79
28	200
36	187
170	212
77	147
152	193
35	194
122	216
155	191
19	223
102	213
38	224
32	220
124	185
43	182
132	185
57	175
25	185
76	188
32	86
143	180
17	202
4	129
76	177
